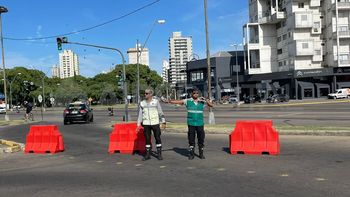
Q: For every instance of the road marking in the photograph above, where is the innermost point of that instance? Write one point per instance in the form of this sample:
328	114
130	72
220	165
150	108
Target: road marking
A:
251	172
221	169
162	167
137	165
71	157
284	175
99	161
119	163
320	179
191	168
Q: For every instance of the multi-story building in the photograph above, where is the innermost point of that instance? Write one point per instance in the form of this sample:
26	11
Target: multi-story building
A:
143	56
180	52
69	64
55	71
299	45
165	71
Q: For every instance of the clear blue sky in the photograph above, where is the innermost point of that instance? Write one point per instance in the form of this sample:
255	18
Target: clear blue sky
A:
41	18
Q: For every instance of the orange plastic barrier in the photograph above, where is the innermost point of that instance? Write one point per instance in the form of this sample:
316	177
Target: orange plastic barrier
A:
126	140
254	137
44	139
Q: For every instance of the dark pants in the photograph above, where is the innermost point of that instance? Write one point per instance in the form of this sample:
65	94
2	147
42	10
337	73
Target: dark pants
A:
148	133
192	130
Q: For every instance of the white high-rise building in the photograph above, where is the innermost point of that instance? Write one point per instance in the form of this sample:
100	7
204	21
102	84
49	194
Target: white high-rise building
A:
165	71
55	71
180	52
285	35
144	55
69	64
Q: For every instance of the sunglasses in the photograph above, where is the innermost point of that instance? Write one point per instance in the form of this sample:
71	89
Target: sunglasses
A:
146	93
195	93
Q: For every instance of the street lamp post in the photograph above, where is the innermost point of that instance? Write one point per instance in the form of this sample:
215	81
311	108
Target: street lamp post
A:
211	113
140	53
11	98
3	10
237	66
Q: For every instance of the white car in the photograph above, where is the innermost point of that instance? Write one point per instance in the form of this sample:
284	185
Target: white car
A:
2	110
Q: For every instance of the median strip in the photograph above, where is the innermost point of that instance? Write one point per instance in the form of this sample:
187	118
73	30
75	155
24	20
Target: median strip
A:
11	146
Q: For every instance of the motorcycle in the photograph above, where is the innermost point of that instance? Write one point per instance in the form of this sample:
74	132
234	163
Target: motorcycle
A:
110	111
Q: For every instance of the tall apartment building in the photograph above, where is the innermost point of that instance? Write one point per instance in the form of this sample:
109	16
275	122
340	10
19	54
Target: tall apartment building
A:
144	55
55	71
180	52
306	40
69	64
165	71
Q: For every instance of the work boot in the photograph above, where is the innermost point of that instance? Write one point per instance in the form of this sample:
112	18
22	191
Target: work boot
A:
147	155
201	155
159	152
191	155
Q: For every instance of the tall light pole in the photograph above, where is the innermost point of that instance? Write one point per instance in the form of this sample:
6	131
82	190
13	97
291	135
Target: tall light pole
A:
237	70
140	53
3	10
211	113
11	88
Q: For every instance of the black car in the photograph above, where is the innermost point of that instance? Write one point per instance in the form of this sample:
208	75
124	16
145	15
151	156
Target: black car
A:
77	111
278	98
252	99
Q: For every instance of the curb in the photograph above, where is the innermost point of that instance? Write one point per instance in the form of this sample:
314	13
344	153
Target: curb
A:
289	132
13	146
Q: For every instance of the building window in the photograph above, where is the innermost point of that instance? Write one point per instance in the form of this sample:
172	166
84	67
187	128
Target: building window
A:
279	39
305	45
300	5
279	51
280	64
304	17
317	52
285	37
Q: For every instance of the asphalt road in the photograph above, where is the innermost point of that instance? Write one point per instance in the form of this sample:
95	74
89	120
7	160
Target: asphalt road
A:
308	166
334	114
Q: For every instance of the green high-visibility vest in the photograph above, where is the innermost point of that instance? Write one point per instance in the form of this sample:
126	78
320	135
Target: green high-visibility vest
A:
195	114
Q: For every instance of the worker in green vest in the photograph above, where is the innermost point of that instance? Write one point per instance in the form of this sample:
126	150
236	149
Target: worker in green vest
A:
195	120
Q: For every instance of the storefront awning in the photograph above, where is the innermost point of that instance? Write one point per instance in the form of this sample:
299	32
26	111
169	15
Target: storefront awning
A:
343	85
305	85
322	85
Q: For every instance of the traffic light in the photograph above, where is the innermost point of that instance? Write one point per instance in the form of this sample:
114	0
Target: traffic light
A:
59	44
120	76
61	40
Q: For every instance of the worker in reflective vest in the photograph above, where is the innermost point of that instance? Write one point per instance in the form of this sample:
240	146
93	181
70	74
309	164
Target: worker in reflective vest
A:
150	116
195	120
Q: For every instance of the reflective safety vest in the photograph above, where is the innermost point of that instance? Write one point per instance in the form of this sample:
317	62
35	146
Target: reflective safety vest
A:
150	113
195	114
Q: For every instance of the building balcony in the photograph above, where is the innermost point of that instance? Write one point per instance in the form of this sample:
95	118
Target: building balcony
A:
272	19
342	34
344	62
343	5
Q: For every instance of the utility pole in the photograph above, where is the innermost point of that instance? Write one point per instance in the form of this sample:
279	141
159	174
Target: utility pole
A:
211	113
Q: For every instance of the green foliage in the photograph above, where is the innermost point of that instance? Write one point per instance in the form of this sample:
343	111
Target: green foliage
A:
102	87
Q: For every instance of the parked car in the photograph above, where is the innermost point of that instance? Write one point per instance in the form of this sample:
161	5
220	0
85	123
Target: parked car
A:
278	98
77	111
233	99
252	99
340	93
2	110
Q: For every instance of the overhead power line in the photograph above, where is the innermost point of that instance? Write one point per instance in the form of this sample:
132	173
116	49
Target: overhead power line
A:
89	28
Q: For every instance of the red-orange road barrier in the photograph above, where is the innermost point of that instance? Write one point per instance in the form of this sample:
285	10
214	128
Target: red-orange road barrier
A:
254	137
44	139
126	140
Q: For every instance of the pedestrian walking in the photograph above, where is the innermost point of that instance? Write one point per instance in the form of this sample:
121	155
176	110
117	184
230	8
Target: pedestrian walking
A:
195	120
150	117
